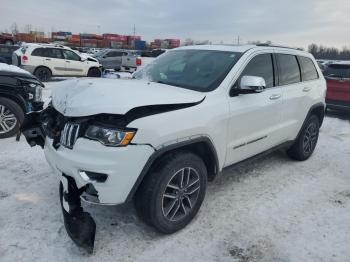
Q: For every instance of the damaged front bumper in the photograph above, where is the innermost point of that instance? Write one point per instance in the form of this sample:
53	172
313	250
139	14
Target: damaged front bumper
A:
88	171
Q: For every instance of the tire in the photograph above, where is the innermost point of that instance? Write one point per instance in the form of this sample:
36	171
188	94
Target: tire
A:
94	72
156	201
43	74
11	117
306	142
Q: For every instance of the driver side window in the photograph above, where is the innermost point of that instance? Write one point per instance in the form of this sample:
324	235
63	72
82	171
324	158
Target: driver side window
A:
262	66
69	55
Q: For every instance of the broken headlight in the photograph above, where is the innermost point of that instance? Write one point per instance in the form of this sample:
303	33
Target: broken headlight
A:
110	136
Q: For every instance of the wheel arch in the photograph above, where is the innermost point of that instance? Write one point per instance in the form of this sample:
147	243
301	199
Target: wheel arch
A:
42	66
318	110
201	146
17	99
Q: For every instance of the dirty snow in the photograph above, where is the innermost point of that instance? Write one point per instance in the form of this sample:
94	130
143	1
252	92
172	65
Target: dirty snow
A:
274	209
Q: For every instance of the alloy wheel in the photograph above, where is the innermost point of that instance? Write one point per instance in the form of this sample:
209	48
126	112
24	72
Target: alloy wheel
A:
310	138
181	194
8	120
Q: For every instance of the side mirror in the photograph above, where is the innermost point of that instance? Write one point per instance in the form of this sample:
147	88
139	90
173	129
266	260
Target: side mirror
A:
83	59
249	85
255	84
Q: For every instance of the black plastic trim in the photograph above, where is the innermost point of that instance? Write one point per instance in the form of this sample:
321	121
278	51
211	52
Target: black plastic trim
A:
318	105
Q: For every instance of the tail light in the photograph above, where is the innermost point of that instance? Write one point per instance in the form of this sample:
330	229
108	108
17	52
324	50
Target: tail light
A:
24	58
138	61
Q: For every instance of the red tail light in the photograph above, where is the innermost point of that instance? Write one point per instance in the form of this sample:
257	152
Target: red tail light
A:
24	58
138	61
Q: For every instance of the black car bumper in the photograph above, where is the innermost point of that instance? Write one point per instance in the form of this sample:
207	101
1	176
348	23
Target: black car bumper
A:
336	104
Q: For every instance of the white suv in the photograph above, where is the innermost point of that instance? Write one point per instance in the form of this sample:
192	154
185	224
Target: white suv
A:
159	137
47	60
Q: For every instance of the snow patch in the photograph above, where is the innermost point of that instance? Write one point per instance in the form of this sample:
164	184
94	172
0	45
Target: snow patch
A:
12	68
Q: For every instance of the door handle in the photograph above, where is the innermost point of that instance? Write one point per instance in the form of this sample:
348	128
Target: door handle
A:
275	97
48	59
306	89
67	61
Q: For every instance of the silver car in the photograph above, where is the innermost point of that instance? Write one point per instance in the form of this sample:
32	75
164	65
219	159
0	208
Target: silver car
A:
117	59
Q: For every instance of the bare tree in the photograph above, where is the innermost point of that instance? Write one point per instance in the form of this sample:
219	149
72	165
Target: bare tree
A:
14	29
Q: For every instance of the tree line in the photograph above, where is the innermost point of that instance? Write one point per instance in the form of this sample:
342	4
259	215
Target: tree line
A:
329	53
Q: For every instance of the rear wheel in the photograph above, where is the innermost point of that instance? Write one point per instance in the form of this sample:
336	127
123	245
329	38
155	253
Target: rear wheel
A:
43	74
94	72
305	144
173	191
11	116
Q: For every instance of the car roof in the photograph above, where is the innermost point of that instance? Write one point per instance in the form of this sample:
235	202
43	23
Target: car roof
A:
244	48
339	63
46	45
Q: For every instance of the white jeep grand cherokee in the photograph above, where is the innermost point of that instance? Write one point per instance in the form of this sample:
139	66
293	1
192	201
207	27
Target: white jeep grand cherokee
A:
158	138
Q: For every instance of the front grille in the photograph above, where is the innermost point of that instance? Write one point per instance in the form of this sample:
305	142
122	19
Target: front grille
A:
69	135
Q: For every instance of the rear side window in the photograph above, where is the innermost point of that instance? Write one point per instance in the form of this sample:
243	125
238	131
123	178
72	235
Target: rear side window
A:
38	52
54	53
289	71
308	69
261	66
337	71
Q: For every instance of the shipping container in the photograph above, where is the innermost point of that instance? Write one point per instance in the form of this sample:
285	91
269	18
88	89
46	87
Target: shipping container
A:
132	38
140	45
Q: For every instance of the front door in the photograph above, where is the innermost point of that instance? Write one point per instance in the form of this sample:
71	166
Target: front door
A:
254	118
74	65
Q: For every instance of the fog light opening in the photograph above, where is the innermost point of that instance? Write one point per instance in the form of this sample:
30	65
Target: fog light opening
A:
93	176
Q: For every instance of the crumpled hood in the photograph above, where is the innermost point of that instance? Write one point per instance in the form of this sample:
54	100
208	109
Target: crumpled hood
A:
91	96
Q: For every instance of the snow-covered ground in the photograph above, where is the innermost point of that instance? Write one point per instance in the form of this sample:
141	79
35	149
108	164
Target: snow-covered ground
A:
274	209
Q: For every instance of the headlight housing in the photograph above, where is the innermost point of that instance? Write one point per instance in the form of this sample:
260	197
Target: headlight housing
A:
34	90
38	93
110	136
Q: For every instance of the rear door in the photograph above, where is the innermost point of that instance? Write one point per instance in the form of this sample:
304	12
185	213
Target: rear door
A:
73	64
53	59
297	92
255	118
338	83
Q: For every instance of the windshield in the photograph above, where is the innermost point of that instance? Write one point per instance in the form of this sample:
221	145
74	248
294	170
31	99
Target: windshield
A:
199	70
337	71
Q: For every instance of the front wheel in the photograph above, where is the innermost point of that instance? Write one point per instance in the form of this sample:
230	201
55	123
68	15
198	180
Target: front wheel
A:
173	191
11	116
94	72
305	144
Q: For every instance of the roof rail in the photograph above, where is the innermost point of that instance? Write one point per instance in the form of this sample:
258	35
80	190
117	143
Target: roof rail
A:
279	46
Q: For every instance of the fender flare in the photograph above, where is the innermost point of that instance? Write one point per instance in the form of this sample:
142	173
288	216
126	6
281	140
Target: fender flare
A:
160	152
312	108
16	98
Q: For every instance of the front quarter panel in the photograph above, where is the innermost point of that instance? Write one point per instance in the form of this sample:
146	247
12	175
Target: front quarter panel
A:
207	119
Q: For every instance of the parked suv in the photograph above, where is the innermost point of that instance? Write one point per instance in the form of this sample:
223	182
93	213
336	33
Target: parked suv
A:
47	60
160	137
338	85
20	93
118	59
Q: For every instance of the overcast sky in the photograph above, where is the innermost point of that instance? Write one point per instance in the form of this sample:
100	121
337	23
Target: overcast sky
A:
294	23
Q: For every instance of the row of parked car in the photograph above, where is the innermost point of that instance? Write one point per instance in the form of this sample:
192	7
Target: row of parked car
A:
51	60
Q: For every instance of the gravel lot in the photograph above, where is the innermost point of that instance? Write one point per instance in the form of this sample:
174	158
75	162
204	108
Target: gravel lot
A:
274	209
